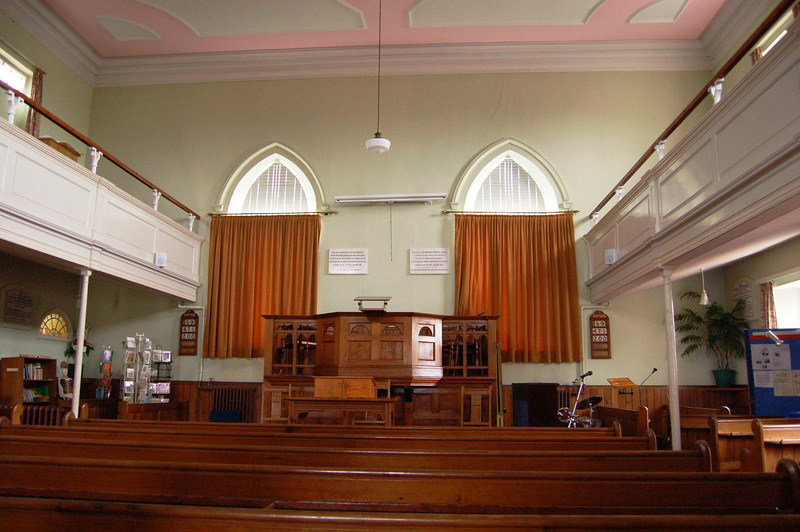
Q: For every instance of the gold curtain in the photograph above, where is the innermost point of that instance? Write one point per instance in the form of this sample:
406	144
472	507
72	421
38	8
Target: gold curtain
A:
34	118
522	268
258	265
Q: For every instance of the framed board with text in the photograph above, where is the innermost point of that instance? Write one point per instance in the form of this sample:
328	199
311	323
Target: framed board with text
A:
187	345
600	331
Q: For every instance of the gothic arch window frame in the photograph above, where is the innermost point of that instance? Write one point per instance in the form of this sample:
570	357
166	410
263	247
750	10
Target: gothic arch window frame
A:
542	172
64	318
238	184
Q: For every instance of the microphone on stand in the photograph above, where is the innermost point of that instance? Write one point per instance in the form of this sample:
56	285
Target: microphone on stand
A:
588	373
651	374
640	385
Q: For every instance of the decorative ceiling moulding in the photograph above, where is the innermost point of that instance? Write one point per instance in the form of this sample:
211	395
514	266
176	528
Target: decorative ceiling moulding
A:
359	61
407	60
46	28
221	18
446	13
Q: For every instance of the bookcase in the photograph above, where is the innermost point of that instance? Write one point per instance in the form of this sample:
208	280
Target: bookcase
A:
291	345
28	379
468	344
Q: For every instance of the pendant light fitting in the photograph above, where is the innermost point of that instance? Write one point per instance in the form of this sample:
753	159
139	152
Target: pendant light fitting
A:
379	144
704	302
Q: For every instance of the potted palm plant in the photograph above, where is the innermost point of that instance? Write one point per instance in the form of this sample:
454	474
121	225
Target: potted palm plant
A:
720	332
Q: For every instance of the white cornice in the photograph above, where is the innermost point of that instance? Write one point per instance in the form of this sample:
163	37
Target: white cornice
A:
730	28
54	35
407	60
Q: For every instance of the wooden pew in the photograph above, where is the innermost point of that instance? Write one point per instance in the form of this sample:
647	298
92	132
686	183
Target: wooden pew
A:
730	435
698	459
174	411
436	491
12	413
772	441
343	439
611	430
694	423
22	414
20	513
631	422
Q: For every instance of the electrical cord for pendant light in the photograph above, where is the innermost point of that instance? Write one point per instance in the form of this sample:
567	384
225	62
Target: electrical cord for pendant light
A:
378	144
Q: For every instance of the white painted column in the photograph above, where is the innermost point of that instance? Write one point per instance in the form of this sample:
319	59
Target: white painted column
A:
672	361
76	379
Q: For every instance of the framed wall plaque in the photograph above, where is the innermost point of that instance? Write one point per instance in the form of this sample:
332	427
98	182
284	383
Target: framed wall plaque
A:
600	330
187	345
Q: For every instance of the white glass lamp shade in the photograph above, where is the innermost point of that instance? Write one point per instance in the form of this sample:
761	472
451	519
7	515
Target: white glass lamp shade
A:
378	144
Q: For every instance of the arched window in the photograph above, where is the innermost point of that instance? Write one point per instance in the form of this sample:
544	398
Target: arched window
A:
274	180
55	325
510	177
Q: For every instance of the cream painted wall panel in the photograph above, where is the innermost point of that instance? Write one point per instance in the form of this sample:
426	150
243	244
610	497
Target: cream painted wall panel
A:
687	182
45	190
764	125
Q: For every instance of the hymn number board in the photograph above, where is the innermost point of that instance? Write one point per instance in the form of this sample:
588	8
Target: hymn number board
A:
188	339
601	335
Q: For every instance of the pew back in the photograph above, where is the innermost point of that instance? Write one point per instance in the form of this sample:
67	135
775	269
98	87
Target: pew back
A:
773	441
346	439
556	459
631	422
436	491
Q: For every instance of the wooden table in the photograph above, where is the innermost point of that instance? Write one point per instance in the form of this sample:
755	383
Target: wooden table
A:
351	406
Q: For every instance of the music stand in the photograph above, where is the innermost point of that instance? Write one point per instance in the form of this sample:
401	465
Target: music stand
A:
621	384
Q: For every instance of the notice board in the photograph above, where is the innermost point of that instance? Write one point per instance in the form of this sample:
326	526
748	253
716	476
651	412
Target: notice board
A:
773	371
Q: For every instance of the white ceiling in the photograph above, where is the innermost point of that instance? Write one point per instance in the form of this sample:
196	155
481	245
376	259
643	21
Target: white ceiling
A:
122	42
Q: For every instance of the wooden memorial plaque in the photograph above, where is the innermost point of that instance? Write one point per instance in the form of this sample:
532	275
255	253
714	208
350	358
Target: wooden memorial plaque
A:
601	335
187	346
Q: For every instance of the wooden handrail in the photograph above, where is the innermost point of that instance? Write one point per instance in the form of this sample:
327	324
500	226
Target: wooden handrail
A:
78	135
743	50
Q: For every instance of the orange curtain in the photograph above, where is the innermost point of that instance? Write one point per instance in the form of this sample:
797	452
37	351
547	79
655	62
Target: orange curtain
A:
258	265
521	268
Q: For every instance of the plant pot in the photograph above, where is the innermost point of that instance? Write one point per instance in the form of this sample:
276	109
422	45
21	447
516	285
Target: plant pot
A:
724	378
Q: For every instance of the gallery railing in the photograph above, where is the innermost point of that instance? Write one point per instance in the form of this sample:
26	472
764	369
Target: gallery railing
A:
713	85
15	97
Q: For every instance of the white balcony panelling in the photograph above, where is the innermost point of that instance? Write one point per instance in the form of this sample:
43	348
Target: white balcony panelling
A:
130	231
636	225
762	126
729	188
686	183
3	163
182	258
56	207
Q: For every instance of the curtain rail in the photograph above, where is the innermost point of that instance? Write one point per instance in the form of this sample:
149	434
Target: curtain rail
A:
743	50
72	131
324	213
528	213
